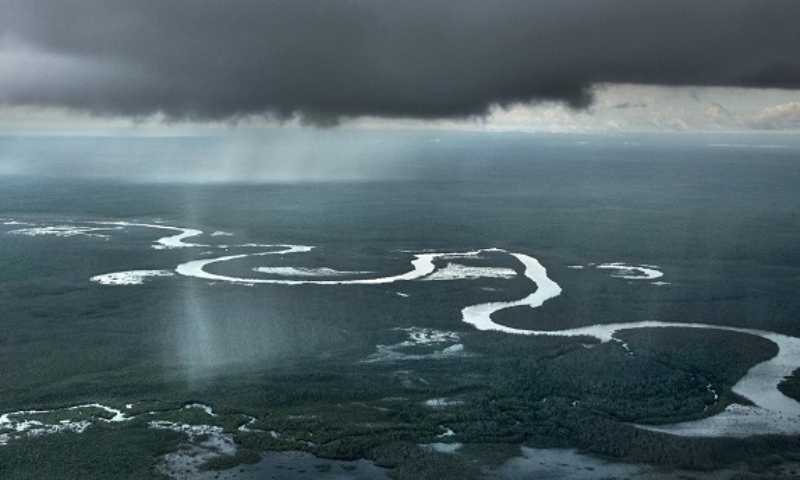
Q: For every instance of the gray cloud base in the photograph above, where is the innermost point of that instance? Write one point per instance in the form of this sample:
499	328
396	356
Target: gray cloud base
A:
327	59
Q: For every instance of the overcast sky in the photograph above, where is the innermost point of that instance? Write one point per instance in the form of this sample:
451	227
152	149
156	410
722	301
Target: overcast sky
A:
506	64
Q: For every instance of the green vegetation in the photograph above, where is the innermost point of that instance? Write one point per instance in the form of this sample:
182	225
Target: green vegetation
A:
722	357
511	390
519	390
293	357
129	452
790	386
431	465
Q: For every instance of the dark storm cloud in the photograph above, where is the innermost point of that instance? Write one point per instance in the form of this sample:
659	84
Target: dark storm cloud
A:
328	59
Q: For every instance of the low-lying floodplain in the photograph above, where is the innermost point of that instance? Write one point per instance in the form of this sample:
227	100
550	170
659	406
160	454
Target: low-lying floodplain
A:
412	330
751	406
